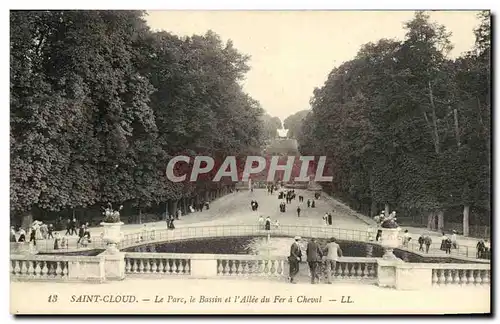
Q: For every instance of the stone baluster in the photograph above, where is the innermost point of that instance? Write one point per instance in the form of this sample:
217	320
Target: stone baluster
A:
135	265
358	271
280	268
434	277
486	277
247	268
470	277
128	266
463	277
220	269
478	280
273	268
154	267
141	266
260	266
266	267
45	269
188	266
24	269
456	277
442	278
449	278
161	266
65	269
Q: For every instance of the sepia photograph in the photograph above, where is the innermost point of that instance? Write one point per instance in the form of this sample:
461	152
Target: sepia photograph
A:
277	162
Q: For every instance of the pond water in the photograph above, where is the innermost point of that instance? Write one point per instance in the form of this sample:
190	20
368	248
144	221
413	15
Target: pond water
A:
278	246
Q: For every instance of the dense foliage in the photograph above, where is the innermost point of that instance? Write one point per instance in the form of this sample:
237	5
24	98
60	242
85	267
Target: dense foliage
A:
406	127
293	123
100	103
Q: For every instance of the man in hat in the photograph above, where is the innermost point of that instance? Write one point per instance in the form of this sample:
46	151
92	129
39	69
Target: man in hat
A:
294	259
314	256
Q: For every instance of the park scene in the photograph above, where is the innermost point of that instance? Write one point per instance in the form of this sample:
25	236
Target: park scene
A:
122	129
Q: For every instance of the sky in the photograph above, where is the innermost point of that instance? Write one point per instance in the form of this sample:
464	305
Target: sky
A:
292	52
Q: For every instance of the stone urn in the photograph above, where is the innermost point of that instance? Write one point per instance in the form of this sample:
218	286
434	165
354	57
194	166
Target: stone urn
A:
112	225
390	241
112	235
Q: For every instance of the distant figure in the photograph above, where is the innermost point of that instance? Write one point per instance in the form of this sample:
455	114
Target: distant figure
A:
325	219
313	204
268	223
65	241
33	236
276	224
314	255
330	219
427	242
13	234
421	242
261	222
50	230
294	259
406	238
301	198
298	211
22	235
379	235
481	247
308	203
57	241
454	240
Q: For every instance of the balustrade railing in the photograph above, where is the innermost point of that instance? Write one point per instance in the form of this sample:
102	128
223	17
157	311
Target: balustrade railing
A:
156	264
56	268
461	275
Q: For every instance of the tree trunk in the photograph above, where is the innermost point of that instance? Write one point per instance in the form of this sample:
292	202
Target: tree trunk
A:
430	221
184	205
434	119
386	209
466	220
373	208
27	220
174	208
440	216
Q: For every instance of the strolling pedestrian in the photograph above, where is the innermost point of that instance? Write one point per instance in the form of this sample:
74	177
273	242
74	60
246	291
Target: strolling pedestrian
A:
13	234
294	259
308	203
298	211
427	242
50	230
268	223
22	235
314	256
421	242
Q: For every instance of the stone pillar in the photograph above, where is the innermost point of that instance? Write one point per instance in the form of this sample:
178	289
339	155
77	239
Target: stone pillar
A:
413	277
114	265
386	272
204	268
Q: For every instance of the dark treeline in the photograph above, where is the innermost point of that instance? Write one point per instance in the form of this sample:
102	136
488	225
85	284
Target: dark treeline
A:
407	128
100	103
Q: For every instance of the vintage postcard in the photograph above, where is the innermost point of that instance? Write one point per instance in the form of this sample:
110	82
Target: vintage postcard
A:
250	162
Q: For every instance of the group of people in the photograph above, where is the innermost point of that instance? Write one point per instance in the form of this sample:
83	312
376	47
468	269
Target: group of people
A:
271	189
289	195
483	249
266	223
311	203
317	258
328	219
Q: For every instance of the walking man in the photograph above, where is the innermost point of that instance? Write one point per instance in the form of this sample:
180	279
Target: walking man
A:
314	256
294	259
298	211
333	252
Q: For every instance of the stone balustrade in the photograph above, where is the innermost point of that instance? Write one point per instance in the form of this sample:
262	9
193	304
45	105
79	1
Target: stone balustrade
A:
57	268
157	264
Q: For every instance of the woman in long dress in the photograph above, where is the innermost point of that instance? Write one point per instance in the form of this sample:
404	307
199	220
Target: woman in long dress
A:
268	223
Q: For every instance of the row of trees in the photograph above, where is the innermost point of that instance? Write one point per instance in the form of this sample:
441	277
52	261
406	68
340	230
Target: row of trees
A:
406	127
100	103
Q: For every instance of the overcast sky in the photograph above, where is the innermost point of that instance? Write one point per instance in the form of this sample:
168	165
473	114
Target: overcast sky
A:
292	52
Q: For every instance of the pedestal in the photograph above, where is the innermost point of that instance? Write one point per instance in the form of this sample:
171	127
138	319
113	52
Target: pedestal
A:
114	265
